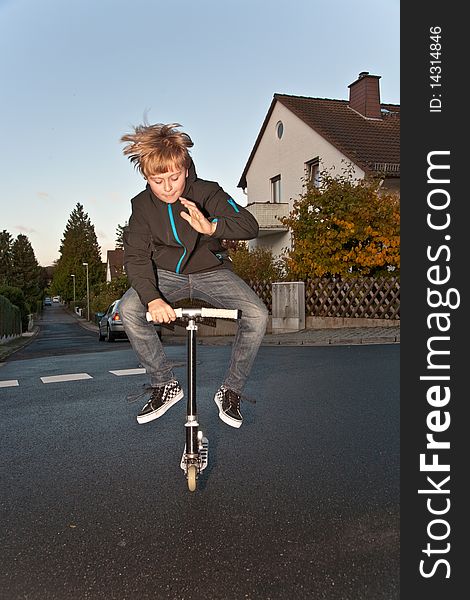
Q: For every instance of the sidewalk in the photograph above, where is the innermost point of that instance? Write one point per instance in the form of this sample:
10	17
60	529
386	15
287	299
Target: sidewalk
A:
306	337
15	344
324	337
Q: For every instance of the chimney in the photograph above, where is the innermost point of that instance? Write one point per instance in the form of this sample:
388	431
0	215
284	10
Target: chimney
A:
364	95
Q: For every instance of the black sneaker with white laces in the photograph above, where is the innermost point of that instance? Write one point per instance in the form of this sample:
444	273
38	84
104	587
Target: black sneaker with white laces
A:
162	397
228	402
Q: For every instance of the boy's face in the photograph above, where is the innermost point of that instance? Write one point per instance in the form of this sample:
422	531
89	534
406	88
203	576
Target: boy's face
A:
169	186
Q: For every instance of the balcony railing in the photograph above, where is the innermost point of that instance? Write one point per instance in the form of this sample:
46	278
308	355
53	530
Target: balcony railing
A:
268	214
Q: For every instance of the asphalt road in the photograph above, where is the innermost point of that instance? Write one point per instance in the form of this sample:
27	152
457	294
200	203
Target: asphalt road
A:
60	334
302	502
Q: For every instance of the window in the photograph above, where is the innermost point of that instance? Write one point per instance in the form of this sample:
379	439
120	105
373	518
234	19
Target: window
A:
276	189
279	129
312	171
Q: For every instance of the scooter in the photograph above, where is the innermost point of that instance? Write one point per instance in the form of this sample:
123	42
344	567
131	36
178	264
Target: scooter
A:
196	450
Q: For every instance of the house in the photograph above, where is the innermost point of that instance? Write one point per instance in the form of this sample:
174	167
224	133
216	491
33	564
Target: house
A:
302	136
114	264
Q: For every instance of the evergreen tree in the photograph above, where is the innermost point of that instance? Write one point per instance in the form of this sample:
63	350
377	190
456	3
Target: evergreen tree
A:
25	269
120	236
78	245
6	242
45	277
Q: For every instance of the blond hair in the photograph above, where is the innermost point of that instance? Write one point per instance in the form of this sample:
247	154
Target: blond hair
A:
157	148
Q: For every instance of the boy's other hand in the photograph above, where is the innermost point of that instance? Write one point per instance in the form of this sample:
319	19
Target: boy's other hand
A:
196	219
161	312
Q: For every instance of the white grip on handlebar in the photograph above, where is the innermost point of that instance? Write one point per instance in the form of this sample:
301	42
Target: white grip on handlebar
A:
215	313
221	313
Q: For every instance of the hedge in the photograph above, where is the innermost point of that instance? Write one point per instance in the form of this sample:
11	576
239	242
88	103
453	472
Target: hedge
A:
10	318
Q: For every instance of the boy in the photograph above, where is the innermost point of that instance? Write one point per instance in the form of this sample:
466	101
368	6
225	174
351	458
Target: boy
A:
173	251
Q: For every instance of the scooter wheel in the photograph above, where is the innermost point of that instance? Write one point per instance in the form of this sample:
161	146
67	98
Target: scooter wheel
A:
192	472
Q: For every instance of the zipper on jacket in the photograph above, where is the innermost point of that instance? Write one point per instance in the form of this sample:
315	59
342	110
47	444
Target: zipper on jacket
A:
233	205
175	234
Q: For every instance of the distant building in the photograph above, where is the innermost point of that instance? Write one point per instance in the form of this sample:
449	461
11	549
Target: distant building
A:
114	264
302	136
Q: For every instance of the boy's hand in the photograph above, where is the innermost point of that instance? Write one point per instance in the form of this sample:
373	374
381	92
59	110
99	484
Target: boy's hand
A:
161	312
196	219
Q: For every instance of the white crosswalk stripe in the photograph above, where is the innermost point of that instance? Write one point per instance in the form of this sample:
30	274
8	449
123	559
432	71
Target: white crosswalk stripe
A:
73	377
9	383
122	372
69	377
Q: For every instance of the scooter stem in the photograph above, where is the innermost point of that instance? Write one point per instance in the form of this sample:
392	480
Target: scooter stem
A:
192	424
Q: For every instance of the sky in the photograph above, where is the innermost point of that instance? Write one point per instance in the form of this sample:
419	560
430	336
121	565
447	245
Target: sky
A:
76	75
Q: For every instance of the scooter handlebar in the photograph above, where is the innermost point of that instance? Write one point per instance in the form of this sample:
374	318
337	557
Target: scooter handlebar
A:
215	313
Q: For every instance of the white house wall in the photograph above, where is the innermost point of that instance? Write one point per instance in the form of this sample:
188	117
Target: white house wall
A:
278	243
287	157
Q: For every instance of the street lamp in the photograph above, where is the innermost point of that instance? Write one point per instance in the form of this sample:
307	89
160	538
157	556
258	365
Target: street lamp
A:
85	264
73	276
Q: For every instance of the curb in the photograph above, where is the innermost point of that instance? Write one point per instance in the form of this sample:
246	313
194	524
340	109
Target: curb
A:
88	326
82	321
24	342
325	341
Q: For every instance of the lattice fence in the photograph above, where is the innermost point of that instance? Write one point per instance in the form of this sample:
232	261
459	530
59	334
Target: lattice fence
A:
264	289
366	297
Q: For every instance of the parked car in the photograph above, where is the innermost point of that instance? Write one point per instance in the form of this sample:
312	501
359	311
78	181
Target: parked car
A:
111	327
56	299
110	324
47	301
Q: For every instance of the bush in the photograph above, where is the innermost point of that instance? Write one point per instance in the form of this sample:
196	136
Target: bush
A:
105	293
16	297
344	228
256	264
10	318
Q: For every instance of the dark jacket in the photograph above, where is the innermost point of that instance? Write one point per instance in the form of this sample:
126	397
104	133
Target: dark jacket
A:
157	235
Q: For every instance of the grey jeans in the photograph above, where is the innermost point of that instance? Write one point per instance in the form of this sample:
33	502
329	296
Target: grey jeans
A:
222	289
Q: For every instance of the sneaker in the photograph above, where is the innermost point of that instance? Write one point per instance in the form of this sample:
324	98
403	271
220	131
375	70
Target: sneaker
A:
161	399
228	402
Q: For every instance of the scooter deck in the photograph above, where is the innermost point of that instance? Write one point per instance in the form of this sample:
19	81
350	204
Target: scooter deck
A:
203	452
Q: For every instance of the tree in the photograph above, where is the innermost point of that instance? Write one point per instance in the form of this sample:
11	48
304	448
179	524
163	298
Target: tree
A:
78	245
120	229
45	277
25	269
344	228
6	242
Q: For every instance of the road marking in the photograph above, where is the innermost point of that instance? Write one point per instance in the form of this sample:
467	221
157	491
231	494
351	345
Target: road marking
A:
9	383
128	372
70	377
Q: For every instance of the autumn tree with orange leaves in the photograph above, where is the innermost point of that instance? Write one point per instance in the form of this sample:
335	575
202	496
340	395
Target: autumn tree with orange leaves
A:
346	228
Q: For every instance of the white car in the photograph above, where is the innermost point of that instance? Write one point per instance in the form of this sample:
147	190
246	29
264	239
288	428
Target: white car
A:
56	299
